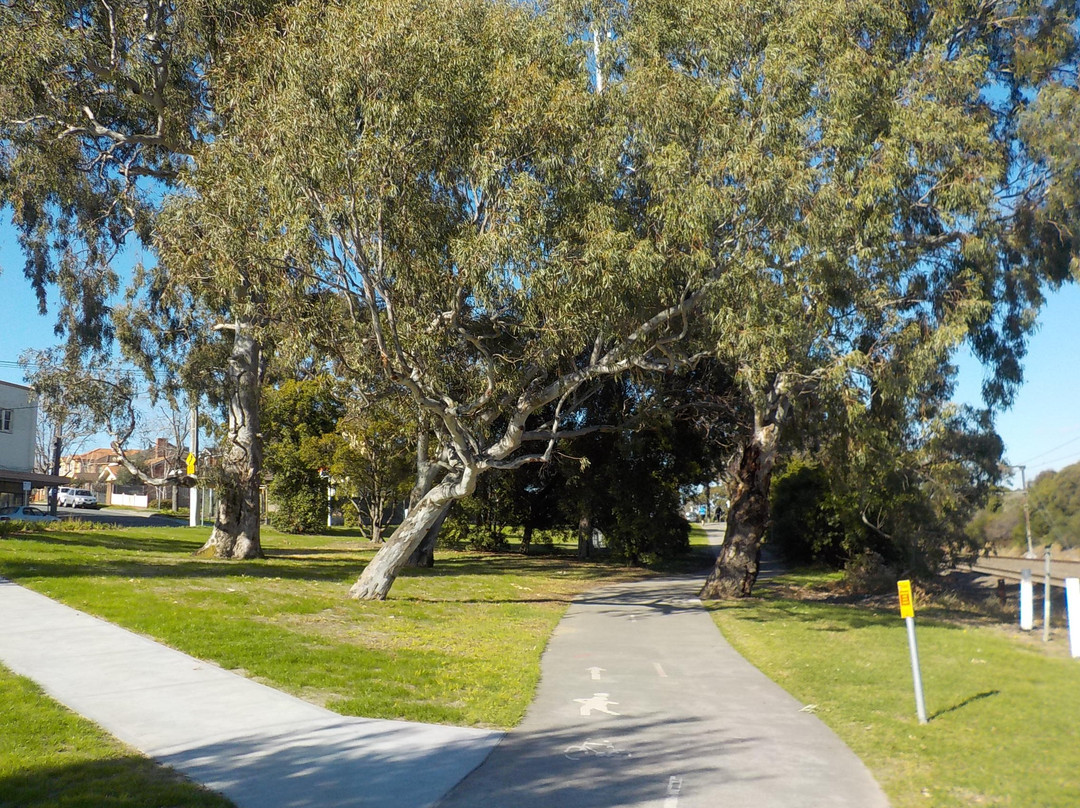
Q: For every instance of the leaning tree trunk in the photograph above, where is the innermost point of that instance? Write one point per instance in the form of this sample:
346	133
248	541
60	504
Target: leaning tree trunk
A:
236	522
736	567
426	474
380	574
424	554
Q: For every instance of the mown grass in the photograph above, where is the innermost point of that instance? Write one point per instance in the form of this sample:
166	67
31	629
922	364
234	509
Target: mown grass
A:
1003	711
457	644
51	758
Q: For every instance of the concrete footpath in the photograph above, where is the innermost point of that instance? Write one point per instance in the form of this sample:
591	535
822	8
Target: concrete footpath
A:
259	747
642	704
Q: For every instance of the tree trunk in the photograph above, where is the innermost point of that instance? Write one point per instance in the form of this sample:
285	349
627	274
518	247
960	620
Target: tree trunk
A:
526	537
426	474
236	522
736	567
584	536
424	554
380	574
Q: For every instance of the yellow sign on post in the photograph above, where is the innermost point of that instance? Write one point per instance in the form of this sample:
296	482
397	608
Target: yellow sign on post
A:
907	603
190	464
907	611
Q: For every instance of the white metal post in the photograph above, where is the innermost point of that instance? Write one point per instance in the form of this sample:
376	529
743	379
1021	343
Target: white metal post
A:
1027	601
193	492
1072	605
916	674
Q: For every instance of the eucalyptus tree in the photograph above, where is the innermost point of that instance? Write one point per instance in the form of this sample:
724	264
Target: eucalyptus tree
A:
852	182
64	421
104	102
439	172
492	206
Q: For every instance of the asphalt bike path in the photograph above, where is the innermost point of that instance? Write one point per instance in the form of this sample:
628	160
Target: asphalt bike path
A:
643	704
259	747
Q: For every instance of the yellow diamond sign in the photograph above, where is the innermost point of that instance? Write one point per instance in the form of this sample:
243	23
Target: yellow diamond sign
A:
190	464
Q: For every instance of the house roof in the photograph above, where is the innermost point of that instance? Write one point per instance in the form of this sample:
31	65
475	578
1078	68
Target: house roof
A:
109	473
95	454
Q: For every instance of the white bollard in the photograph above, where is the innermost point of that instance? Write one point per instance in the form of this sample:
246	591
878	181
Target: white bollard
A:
1027	601
1072	603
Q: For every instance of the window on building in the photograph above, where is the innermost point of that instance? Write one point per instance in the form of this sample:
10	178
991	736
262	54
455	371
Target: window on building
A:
5	420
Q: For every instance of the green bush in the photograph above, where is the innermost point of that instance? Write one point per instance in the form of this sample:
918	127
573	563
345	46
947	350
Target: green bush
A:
806	527
300	499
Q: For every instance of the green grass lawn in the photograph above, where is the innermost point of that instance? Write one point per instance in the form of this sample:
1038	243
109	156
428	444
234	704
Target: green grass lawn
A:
1004	710
51	758
457	644
461	644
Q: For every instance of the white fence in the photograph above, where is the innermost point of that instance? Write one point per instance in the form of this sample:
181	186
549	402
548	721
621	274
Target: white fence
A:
132	500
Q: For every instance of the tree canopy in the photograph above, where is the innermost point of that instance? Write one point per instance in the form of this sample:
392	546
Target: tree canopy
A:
487	209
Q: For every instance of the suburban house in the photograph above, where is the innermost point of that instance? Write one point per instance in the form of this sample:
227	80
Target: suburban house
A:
86	468
18	429
101	470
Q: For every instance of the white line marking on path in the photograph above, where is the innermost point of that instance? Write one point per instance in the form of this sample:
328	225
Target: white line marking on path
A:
659	670
595	671
674	786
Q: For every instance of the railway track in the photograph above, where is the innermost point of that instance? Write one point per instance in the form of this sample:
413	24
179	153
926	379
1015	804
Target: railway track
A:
1010	568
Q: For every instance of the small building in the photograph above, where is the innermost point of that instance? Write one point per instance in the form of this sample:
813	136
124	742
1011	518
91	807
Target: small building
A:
18	431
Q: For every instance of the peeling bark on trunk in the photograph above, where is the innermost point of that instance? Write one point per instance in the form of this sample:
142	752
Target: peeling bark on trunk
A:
737	565
236	522
380	574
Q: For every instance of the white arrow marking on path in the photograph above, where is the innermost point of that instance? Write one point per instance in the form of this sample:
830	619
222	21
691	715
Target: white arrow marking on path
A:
595	672
674	786
659	670
599	702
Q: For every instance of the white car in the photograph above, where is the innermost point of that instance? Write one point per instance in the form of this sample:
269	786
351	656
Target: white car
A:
24	513
76	498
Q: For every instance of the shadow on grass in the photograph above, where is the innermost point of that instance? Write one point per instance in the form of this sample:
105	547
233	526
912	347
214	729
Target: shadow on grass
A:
125	782
128	558
986	694
107	540
823	616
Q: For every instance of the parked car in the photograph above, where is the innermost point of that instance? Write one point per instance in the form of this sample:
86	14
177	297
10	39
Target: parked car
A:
24	513
76	498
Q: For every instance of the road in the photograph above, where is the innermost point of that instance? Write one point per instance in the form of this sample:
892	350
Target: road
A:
120	517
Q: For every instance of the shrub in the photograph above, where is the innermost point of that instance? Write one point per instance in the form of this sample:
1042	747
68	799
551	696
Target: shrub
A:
806	527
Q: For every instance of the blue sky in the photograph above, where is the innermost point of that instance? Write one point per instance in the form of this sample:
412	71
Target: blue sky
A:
1041	430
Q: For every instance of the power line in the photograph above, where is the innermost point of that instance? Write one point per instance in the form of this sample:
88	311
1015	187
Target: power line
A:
1051	450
